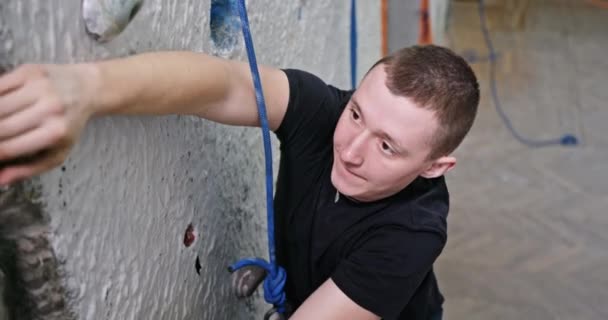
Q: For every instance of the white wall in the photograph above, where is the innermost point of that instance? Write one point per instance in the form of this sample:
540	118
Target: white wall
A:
122	201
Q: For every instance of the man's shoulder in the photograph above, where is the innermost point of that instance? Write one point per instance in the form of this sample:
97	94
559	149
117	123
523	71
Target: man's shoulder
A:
422	207
300	79
313	110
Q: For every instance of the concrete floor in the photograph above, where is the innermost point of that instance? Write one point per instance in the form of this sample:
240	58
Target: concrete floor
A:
528	235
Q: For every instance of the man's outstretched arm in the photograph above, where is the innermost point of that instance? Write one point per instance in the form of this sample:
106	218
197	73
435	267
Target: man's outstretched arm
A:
43	108
188	83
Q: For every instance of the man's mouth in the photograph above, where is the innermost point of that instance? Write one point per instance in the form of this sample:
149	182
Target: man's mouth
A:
349	172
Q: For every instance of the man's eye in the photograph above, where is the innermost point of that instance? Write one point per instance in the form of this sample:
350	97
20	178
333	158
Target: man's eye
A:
387	148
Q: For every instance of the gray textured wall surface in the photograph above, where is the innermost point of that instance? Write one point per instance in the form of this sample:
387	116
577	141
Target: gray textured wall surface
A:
123	199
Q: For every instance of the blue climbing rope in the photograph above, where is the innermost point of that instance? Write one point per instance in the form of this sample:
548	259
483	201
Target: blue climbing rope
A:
353	43
275	279
565	140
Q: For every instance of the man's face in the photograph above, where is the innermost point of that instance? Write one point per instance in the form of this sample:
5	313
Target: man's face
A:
381	141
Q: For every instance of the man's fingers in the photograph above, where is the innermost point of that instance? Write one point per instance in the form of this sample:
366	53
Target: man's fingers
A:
22	121
33	141
30	122
12	80
16	100
19	172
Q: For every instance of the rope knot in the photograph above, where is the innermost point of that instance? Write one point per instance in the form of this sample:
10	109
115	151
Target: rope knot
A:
274	283
274	286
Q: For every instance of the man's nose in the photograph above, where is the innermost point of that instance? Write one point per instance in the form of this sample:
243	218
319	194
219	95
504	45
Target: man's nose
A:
353	154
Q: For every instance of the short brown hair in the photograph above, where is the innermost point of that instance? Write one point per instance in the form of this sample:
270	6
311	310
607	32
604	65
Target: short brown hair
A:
436	78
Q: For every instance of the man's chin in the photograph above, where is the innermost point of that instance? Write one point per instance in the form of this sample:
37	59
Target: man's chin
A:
342	186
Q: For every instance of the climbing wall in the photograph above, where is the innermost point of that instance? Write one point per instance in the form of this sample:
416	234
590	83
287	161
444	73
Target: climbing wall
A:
135	188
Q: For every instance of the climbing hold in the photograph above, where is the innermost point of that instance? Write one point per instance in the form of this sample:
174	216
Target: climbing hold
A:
569	140
105	19
197	265
246	280
224	24
189	236
274	314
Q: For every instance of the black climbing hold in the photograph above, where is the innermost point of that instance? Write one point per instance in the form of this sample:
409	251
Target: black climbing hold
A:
197	266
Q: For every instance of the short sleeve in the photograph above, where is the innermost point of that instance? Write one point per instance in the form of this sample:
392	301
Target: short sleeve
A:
383	273
312	113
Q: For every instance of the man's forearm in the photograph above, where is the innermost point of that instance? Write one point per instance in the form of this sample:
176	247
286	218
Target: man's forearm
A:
159	83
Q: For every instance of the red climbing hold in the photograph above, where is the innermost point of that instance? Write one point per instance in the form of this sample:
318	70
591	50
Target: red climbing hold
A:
189	237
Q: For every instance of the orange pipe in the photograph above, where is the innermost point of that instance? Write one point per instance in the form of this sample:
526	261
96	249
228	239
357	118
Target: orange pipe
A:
424	35
384	25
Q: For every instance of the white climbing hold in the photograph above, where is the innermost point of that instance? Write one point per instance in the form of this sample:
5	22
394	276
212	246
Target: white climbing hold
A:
105	19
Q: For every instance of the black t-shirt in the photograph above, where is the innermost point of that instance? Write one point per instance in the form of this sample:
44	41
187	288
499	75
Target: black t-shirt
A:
380	254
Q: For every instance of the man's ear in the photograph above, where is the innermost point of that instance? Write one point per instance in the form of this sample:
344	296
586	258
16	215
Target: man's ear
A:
439	167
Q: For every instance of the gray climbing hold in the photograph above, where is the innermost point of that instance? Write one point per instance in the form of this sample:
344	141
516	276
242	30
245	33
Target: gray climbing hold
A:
105	19
246	280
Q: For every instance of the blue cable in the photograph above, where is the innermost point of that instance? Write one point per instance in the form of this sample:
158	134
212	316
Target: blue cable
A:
276	276
353	43
565	140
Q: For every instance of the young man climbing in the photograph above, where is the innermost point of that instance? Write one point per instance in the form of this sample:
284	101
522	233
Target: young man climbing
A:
361	201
